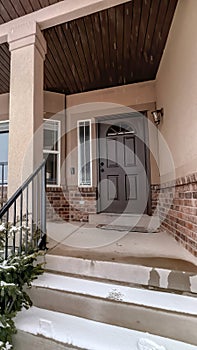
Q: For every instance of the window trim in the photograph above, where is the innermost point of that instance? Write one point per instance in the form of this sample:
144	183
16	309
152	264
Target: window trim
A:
6	121
79	157
58	152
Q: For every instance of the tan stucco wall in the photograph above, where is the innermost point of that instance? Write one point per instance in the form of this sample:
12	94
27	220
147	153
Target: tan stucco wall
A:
94	104
53	103
128	95
90	105
176	89
54	108
4	107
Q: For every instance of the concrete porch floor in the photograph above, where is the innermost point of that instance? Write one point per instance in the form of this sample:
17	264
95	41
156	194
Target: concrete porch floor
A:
87	241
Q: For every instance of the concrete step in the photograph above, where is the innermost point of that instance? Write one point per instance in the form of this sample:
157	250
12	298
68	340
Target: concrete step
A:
122	273
43	329
132	308
128	220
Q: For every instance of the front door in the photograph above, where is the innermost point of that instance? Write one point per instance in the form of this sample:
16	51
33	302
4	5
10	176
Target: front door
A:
123	185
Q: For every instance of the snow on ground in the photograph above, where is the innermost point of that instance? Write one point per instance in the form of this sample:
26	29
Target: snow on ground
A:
91	335
166	301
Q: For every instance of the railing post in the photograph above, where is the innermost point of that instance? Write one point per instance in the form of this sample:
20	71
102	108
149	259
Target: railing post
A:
27	218
14	223
32	215
6	236
43	201
3	181
21	223
19	204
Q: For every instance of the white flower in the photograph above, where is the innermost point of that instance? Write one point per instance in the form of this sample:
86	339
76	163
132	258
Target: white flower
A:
26	228
8	346
2	326
23	227
5	284
13	229
2	228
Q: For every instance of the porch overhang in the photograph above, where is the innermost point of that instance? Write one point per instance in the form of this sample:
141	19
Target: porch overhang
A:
63	11
94	44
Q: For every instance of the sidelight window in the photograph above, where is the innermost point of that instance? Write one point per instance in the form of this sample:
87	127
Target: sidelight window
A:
4	134
52	151
84	154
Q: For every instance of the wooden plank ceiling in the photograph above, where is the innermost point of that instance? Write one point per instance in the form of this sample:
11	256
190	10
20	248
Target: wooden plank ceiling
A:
11	9
121	45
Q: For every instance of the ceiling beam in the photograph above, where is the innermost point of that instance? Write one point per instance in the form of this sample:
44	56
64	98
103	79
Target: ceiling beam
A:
61	12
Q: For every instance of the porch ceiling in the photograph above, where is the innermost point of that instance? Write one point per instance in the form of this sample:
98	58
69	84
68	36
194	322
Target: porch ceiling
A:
11	9
118	46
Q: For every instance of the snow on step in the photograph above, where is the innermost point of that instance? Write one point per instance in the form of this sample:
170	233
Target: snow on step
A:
91	335
121	272
155	299
100	269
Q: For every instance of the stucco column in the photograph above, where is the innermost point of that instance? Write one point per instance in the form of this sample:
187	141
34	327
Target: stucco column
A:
28	48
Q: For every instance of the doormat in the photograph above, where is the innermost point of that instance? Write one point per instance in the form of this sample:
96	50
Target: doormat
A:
114	227
143	229
140	229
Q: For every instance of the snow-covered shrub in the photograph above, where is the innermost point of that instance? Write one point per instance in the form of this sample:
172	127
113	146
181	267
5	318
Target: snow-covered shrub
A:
16	273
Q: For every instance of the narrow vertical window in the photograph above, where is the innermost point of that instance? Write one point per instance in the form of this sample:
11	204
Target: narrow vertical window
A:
52	151
84	154
4	134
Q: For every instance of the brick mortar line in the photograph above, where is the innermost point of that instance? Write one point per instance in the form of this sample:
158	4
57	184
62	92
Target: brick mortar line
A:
175	234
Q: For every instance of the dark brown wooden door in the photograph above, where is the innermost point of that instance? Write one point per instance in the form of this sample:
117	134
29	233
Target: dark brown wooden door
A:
123	186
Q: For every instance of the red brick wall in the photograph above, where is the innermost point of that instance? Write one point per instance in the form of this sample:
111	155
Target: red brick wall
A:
76	204
57	204
73	204
178	210
82	203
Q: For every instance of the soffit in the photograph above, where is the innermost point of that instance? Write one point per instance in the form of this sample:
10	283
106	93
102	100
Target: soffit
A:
117	46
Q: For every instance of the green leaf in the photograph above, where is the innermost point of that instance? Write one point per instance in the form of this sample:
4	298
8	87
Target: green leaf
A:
16	274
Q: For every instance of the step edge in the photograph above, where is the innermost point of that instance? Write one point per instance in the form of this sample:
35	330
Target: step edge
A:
59	258
123	302
105	289
129	333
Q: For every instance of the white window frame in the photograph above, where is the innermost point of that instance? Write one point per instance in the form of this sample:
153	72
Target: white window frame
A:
79	154
58	152
6	121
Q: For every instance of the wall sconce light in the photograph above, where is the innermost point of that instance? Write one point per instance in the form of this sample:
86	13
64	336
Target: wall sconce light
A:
157	116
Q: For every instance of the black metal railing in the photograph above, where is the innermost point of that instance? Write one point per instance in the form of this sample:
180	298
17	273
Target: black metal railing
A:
3	182
24	215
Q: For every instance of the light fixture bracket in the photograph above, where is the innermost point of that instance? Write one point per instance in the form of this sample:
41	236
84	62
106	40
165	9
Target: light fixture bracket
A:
157	115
